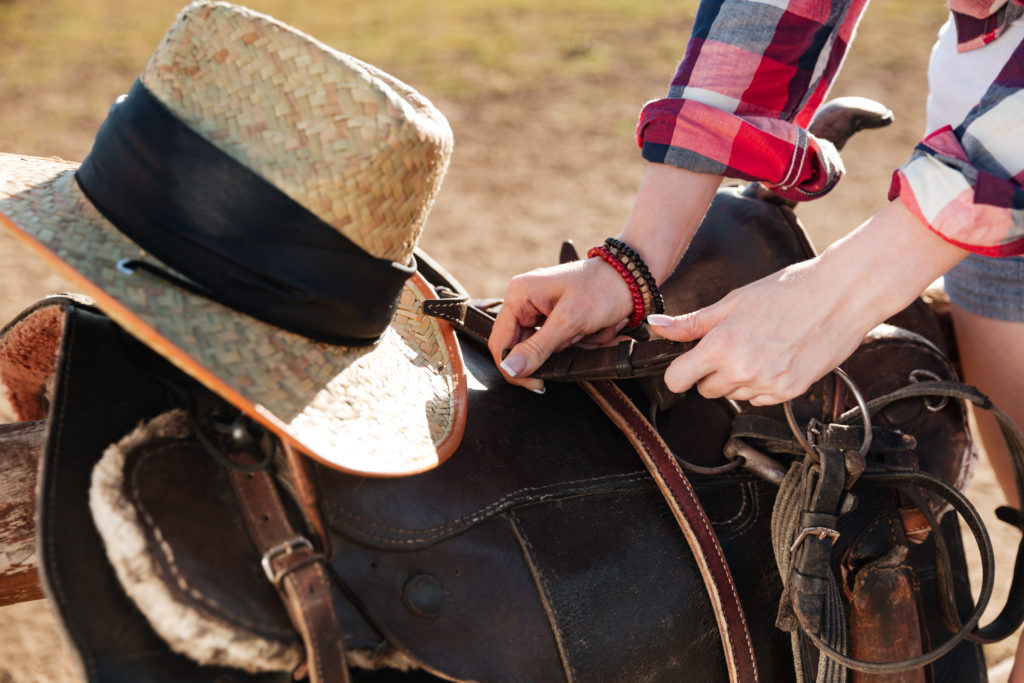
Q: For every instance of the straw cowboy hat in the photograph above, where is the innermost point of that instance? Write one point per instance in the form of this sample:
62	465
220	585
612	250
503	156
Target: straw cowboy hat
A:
249	210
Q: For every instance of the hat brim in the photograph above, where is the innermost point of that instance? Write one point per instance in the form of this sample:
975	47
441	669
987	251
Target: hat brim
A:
395	408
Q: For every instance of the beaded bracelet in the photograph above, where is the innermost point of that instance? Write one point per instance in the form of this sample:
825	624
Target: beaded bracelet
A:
632	260
645	288
634	287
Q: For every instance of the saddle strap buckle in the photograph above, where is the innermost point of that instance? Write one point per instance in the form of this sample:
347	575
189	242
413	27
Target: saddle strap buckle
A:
821	532
288	547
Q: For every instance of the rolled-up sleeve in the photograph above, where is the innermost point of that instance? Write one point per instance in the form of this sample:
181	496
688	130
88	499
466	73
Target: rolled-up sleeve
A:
967	183
753	74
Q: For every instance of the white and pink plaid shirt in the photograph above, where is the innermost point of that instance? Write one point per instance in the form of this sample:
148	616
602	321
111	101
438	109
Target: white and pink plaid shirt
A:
755	72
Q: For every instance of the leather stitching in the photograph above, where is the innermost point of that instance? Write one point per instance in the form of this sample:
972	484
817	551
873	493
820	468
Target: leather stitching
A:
168	553
507	500
746	517
718	551
614	394
453	311
535	571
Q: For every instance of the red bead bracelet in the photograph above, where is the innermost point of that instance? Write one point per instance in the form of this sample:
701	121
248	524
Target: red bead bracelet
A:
634	287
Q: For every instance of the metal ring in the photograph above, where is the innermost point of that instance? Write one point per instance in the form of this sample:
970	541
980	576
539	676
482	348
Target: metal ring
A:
795	428
861	403
916	375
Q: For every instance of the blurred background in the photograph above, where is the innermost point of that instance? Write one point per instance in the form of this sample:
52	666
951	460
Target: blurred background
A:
542	96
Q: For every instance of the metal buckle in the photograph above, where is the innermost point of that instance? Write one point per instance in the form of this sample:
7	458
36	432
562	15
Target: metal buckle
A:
822	532
285	548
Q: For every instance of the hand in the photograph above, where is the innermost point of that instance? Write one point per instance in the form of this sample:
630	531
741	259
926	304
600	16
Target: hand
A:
769	341
588	302
548	309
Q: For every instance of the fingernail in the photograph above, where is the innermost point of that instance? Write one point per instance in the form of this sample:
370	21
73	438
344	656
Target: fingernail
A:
659	320
576	339
539	391
513	364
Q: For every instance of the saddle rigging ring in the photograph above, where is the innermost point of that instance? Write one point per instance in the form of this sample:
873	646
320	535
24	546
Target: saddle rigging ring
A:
805	441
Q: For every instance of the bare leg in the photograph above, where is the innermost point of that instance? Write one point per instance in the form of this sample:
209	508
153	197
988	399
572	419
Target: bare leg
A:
992	353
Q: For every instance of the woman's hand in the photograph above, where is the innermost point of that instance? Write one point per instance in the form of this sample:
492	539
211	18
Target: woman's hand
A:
769	341
548	309
588	301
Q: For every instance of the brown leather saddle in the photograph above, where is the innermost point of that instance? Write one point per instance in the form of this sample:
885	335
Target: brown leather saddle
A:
541	551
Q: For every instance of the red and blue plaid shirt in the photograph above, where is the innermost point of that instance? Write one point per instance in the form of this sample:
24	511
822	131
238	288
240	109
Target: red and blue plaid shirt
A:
756	71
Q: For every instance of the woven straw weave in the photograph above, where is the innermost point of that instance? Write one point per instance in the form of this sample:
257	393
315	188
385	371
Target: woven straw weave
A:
396	398
361	150
355	146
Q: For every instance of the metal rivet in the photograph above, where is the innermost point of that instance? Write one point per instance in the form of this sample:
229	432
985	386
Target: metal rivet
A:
423	595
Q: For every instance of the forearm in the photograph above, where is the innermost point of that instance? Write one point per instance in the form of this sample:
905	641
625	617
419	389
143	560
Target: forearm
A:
880	267
768	341
669	207
738	105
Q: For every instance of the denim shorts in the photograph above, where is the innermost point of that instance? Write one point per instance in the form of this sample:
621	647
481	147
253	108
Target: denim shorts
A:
991	287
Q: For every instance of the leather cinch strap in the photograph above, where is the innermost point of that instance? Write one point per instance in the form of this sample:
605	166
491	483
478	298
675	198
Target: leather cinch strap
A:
732	624
627	359
297	571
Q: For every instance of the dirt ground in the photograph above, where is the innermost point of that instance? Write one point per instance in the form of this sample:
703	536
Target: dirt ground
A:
531	169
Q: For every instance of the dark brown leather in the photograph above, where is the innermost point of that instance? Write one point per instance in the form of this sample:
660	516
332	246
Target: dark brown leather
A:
544	529
689	514
627	359
567	535
541	537
297	570
457	309
195	552
106	383
541	529
513	553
